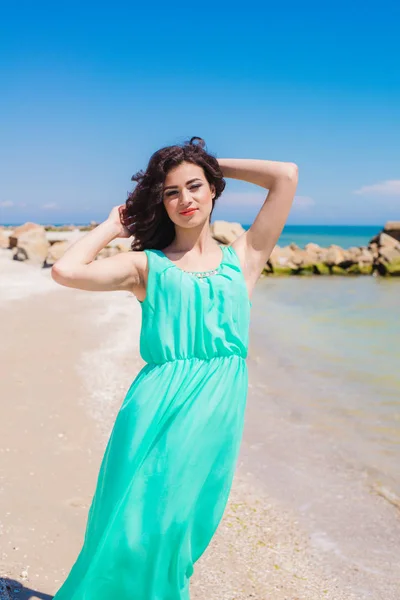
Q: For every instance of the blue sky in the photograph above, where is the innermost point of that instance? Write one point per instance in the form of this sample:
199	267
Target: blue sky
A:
90	90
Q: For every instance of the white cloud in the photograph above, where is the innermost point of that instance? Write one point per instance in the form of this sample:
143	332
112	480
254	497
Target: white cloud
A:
49	206
303	202
6	203
390	187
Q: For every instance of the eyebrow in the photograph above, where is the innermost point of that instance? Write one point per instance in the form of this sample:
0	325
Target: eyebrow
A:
175	186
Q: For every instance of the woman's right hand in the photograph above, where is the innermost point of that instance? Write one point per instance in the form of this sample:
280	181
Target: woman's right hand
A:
116	216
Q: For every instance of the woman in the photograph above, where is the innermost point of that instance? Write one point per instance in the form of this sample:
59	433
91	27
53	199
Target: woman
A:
168	467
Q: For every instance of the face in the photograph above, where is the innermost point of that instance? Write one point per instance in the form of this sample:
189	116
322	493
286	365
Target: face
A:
186	188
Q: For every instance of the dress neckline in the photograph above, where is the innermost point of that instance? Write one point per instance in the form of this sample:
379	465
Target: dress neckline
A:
198	273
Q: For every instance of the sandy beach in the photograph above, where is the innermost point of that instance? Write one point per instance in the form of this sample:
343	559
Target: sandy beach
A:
67	360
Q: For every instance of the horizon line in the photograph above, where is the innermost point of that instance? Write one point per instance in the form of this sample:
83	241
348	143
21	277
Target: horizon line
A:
84	224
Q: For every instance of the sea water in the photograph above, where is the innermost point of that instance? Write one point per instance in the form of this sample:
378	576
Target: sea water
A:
337	340
345	236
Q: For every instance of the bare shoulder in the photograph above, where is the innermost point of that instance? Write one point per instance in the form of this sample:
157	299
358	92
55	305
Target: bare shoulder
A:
137	261
137	258
128	271
133	260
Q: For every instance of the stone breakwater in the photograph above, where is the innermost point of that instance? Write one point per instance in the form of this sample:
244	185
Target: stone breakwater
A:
43	245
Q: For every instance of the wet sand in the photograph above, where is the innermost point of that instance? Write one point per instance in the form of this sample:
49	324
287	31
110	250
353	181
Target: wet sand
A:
67	362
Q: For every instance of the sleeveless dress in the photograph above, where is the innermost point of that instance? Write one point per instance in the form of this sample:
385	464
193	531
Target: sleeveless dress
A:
169	463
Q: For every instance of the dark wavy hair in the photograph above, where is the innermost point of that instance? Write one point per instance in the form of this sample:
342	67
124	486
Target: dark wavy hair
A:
151	225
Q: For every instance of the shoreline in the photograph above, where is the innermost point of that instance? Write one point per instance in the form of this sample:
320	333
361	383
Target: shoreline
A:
297	457
66	391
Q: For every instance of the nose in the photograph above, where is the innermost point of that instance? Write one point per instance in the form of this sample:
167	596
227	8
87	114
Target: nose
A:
186	197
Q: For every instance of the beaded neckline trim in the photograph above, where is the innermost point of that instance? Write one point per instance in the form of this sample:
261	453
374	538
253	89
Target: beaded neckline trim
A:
199	274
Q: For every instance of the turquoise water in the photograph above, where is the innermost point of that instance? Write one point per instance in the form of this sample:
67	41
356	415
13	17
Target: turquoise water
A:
325	235
338	339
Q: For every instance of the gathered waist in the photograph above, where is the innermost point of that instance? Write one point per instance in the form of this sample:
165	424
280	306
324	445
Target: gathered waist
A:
197	358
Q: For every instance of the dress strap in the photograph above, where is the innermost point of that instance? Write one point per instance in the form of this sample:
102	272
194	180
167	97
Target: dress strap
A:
233	257
153	266
234	260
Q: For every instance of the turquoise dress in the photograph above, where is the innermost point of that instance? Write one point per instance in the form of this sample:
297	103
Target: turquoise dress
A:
168	467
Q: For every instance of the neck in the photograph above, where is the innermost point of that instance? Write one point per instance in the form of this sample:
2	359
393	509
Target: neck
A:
197	240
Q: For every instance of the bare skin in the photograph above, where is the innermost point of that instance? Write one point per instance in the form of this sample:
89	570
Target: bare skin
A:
194	248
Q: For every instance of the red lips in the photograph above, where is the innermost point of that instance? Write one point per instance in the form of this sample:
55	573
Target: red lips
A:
188	212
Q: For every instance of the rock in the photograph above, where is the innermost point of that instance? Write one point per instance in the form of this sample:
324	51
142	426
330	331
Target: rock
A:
353	252
298	260
225	232
104	253
392	225
373	249
360	256
311	247
292	257
60	227
387	261
322	254
282	271
123	247
4	239
22	229
34	244
359	269
281	257
19	254
335	270
321	269
124	244
55	252
365	257
388	241
334	255
307	258
393	268
392	228
63	236
385	268
107	252
389	254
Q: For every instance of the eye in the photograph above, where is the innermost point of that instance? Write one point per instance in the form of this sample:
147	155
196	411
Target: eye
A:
197	185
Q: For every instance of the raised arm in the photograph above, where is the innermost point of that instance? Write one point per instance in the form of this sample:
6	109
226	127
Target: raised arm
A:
77	268
254	247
